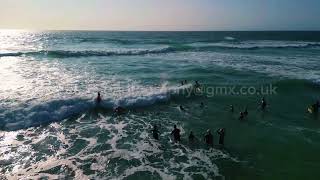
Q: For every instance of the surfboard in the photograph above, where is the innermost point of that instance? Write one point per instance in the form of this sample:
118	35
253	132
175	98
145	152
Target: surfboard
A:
310	110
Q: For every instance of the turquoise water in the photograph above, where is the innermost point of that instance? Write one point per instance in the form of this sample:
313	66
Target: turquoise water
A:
52	128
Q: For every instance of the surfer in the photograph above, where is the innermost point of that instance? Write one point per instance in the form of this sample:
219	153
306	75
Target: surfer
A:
208	138
245	113
176	134
263	103
222	133
191	137
197	85
155	132
98	99
182	108
201	105
185	82
241	117
182	83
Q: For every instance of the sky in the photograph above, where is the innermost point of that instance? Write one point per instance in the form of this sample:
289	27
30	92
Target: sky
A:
162	15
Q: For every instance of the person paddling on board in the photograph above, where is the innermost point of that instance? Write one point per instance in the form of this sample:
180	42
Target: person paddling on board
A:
155	132
263	103
176	134
98	99
208	138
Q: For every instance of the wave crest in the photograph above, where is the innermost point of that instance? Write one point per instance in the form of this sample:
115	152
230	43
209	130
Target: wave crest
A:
56	110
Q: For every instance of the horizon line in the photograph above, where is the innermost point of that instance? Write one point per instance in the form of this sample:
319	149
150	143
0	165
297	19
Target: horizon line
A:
138	30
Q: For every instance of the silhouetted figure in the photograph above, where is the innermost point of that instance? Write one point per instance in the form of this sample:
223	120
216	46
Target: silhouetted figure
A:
119	110
263	103
191	137
222	133
231	108
241	117
201	105
98	99
245	113
208	138
155	132
197	85
185	82
182	108
182	83
176	134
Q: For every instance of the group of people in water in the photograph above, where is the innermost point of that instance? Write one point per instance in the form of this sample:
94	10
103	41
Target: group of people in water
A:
208	137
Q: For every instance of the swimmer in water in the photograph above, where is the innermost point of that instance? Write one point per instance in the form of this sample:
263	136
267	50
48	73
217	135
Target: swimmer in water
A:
241	117
119	110
208	138
182	108
176	134
197	85
201	105
98	99
245	113
191	137
222	133
155	132
263	104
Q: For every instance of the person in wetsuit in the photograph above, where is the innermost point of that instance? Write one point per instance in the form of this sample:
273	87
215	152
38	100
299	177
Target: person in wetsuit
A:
176	134
197	85
201	105
208	138
155	132
222	133
191	137
182	108
263	103
119	110
241	117
245	113
99	99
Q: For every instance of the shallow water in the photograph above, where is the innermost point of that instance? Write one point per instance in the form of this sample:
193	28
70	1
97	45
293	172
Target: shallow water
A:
51	126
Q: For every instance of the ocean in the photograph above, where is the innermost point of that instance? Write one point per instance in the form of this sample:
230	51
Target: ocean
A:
52	127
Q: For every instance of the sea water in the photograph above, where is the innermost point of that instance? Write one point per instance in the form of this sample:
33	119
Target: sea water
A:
51	126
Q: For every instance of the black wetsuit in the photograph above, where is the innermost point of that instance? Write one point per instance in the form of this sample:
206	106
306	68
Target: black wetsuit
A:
221	138
155	134
263	104
176	134
191	137
209	139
